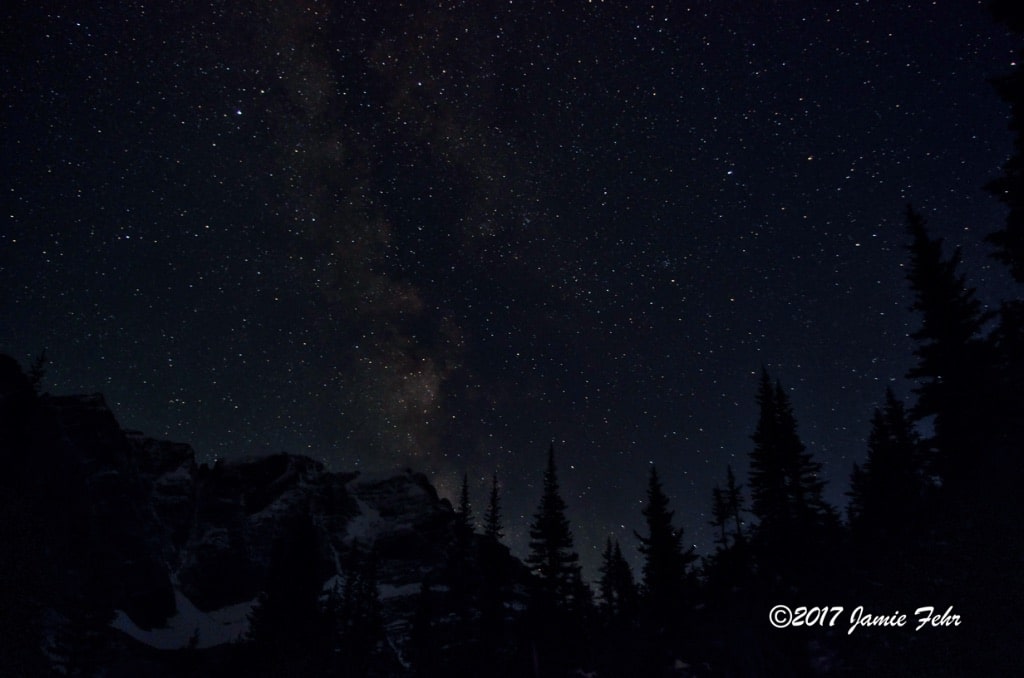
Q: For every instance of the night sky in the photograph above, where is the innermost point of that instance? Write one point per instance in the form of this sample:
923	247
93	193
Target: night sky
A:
445	235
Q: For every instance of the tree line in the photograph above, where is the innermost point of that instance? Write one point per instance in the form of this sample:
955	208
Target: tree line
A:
933	518
934	515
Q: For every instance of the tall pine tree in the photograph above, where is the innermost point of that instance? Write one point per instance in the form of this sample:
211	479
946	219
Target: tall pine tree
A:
786	486
559	614
464	514
665	570
616	585
492	519
768	485
1009	188
727	504
890	488
726	570
952	358
1007	340
552	557
668	588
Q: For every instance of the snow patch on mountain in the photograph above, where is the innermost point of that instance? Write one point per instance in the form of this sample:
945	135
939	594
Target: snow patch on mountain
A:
365	526
387	591
208	629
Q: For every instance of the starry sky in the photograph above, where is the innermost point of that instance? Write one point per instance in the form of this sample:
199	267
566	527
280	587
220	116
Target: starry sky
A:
443	235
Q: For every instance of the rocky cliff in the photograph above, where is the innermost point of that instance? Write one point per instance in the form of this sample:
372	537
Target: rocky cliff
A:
174	555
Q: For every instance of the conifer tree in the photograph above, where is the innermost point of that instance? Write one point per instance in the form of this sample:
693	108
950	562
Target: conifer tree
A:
719	516
616	585
890	486
492	519
803	472
560	602
1009	188
1007	340
623	583
552	556
767	462
785	481
605	584
952	359
464	514
726	571
37	371
734	500
665	562
462	564
667	587
618	613
725	510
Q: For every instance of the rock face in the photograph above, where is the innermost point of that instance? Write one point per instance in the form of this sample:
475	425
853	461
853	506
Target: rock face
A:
152	535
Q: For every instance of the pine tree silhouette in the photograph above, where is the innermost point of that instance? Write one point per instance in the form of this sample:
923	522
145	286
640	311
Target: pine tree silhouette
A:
890	488
1007	340
952	358
616	585
559	608
727	504
492	519
464	514
668	586
665	562
552	557
37	371
1009	188
786	485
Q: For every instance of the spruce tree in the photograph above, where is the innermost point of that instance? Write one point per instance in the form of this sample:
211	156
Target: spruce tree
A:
787	488
552	556
725	510
952	359
616	585
734	502
37	371
605	584
726	570
890	487
1009	188
494	574
803	472
623	583
559	608
464	514
618	615
665	562
768	485
719	516
1007	340
492	519
668	587
462	565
